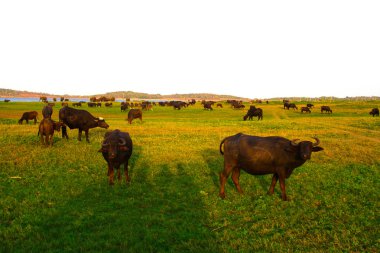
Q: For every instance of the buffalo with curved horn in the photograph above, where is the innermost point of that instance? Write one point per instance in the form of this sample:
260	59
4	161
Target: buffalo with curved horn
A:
117	149
263	155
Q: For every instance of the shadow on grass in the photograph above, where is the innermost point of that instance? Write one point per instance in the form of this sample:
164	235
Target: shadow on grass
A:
161	210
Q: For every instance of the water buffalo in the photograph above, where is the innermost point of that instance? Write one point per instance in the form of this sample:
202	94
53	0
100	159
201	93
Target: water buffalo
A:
207	106
290	105
325	108
81	119
374	112
310	105
134	114
254	112
116	150
28	116
305	109
47	111
263	155
46	128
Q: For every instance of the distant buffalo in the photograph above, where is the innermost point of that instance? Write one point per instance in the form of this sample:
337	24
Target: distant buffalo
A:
325	108
305	109
254	112
374	112
28	116
134	114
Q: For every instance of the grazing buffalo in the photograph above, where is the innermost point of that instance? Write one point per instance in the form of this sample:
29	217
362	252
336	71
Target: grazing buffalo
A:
108	104
78	104
29	116
310	105
374	112
263	155
6	100
46	128
254	112
290	105
305	109
124	107
134	114
81	119
325	108
207	106
219	105
117	149
47	111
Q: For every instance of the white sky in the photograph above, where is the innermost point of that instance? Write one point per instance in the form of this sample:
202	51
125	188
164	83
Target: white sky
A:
247	48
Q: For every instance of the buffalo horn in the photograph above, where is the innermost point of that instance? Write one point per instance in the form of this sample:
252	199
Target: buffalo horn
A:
122	142
317	141
105	144
293	142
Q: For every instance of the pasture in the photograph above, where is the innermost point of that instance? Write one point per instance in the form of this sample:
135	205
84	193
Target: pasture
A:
58	199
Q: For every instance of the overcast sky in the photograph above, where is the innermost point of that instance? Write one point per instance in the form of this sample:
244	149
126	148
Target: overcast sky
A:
254	49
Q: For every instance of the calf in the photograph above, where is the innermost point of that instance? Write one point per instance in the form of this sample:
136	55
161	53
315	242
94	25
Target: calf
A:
47	111
28	116
46	128
134	114
116	150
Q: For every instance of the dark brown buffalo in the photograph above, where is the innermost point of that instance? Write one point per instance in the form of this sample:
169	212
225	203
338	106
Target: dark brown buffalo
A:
219	105
290	105
28	116
207	106
325	108
263	155
47	111
254	112
78	104
310	105
134	114
81	119
124	106
46	128
117	149
305	109
6	100
374	112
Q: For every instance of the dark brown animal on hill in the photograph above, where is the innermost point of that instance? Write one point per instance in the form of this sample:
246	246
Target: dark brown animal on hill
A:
374	112
254	112
117	149
46	128
310	105
29	116
325	108
78	104
81	119
6	100
305	109
263	155
219	105
134	114
47	111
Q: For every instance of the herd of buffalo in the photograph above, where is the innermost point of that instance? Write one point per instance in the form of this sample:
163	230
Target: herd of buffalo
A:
255	155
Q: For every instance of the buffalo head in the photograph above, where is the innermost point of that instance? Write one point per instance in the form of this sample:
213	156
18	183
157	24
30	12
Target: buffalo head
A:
102	123
305	148
112	145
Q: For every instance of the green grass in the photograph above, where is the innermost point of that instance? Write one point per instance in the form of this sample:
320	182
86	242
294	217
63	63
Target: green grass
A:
58	199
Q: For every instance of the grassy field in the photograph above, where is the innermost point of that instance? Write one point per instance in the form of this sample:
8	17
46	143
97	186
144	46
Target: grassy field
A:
58	199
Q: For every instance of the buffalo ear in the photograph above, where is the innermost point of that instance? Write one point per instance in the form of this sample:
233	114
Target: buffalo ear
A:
317	149
123	148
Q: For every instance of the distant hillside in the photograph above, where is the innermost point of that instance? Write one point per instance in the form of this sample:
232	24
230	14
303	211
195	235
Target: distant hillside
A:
122	94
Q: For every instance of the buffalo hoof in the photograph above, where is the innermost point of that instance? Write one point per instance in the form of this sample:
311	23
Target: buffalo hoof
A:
222	195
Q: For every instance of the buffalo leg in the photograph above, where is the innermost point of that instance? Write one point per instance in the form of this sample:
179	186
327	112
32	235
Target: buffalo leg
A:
118	174
223	178
64	132
283	190
235	179
79	134
127	179
86	132
111	174
273	184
